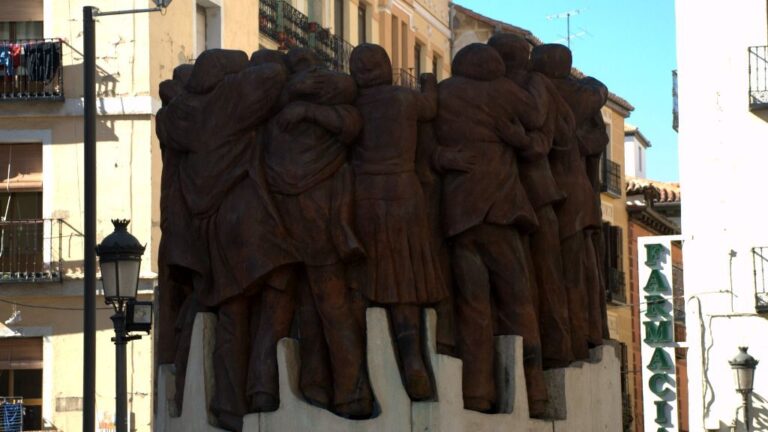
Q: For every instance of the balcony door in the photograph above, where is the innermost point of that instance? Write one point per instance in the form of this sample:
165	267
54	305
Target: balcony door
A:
21	209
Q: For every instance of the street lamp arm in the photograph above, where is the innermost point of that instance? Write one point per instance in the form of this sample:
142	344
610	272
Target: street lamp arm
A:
98	13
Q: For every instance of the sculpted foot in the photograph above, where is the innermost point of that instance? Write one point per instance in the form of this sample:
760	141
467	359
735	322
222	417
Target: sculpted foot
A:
418	385
317	395
355	410
478	404
263	402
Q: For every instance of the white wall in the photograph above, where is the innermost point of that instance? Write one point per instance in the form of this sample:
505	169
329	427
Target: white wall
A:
723	151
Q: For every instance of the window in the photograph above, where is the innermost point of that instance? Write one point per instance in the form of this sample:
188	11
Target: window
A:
395	43
435	63
417	60
21	375
361	23
207	26
338	17
201	23
21	19
21	208
614	267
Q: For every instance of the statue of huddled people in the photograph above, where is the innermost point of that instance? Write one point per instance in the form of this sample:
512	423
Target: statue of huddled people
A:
294	196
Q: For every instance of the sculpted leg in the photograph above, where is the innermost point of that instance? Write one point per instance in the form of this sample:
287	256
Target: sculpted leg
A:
474	325
572	250
554	323
316	377
275	313
230	360
346	342
592	279
406	323
506	260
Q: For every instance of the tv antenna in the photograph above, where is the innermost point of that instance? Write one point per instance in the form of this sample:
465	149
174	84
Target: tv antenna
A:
567	15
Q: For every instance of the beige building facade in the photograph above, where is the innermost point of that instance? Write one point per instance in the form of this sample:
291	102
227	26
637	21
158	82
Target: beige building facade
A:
41	153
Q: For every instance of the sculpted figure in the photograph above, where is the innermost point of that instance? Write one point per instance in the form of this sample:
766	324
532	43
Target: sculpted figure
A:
212	127
402	270
306	168
485	207
544	194
578	210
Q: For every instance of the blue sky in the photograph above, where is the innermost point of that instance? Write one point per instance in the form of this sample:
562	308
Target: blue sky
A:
627	44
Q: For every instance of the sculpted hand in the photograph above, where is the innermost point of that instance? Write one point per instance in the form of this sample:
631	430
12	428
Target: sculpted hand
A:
511	132
454	160
292	114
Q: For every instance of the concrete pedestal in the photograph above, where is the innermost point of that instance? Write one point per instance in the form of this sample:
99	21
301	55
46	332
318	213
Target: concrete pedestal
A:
585	397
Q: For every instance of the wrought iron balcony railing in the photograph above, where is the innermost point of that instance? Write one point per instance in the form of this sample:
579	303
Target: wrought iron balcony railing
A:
405	78
616	284
31	69
610	177
290	28
31	250
758	78
759	268
332	49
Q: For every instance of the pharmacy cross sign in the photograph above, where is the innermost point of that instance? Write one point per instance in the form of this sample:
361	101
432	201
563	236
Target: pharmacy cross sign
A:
657	331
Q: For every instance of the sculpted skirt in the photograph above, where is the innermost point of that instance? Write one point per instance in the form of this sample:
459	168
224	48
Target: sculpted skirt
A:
401	264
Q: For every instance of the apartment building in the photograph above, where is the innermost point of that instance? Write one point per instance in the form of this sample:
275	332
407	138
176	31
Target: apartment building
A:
41	153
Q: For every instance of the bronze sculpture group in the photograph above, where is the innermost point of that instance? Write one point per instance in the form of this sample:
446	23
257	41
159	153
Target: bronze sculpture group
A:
293	197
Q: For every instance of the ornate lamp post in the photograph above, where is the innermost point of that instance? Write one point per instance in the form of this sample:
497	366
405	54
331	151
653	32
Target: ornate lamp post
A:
743	366
120	260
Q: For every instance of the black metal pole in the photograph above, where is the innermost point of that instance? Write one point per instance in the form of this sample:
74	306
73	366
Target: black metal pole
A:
89	254
121	388
747	417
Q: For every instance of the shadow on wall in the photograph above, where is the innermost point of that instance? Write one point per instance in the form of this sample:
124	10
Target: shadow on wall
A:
759	412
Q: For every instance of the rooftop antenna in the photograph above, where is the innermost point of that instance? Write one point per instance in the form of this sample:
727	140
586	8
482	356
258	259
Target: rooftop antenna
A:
567	15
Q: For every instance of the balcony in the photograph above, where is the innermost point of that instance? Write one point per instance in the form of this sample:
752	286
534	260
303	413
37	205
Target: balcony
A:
290	28
405	78
32	250
759	268
616	284
31	70
758	78
610	177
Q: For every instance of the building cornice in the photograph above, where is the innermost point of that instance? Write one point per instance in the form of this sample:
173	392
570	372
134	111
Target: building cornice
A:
73	107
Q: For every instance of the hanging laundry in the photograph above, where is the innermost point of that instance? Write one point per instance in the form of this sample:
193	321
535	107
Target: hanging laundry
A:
43	60
6	59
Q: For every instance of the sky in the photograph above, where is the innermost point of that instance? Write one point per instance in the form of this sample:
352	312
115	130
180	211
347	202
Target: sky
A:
627	44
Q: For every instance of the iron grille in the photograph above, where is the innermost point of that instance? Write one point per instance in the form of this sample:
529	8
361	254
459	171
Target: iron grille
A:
33	250
610	180
759	267
616	286
758	77
31	69
405	78
290	28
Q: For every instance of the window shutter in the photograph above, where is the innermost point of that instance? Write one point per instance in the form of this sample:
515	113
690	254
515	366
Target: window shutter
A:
21	10
21	353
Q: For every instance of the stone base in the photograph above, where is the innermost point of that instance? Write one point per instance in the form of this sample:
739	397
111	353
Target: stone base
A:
585	397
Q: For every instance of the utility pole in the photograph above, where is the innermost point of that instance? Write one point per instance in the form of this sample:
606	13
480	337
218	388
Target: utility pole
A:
89	196
567	15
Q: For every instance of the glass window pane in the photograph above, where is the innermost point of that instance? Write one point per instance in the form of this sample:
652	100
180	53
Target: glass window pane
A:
108	278
28	383
5	30
129	276
29	30
33	417
5	389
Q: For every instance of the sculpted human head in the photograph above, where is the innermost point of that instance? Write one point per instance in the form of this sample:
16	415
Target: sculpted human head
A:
370	66
514	50
268	56
303	59
552	60
478	61
212	66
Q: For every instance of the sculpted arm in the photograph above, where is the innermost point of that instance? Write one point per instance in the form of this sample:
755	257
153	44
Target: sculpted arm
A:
342	120
427	99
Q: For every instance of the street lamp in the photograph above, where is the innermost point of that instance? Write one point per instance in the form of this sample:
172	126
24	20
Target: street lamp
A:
89	204
120	260
743	366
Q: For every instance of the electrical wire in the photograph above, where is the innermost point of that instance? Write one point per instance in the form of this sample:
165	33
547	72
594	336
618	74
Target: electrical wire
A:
61	308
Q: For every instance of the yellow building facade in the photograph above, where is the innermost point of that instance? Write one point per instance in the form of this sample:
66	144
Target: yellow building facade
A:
41	154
